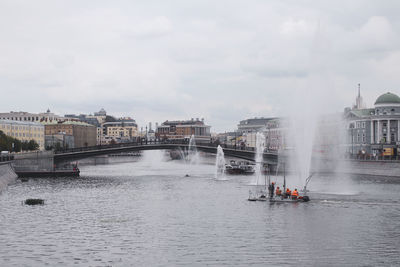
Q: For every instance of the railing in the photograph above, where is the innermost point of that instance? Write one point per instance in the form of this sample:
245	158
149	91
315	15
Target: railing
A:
6	158
156	142
369	157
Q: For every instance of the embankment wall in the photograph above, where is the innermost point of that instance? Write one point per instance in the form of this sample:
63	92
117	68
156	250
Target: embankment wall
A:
359	167
7	174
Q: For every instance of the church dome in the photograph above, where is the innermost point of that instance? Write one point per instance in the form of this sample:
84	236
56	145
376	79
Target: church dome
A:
388	98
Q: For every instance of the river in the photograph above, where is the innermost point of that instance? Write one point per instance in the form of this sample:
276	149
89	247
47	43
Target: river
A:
148	213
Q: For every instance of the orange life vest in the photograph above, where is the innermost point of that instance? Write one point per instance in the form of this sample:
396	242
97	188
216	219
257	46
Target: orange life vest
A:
278	192
295	193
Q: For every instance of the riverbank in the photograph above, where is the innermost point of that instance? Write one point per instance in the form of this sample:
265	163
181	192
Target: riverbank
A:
7	174
385	168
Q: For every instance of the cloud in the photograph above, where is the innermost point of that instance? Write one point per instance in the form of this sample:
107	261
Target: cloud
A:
224	61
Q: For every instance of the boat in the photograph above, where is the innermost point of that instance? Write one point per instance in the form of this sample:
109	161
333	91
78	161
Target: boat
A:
239	167
271	197
284	198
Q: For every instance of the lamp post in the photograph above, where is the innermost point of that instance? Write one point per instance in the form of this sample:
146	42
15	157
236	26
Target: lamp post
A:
146	134
352	139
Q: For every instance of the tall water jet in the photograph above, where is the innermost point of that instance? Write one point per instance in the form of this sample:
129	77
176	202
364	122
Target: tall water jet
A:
193	156
260	146
220	164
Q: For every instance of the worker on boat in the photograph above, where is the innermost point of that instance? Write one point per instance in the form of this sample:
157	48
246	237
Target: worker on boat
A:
278	191
271	189
295	194
288	193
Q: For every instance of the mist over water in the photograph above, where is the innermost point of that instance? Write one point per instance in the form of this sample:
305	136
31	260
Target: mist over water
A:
315	135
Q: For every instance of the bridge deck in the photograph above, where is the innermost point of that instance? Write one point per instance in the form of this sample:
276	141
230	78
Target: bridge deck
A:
86	152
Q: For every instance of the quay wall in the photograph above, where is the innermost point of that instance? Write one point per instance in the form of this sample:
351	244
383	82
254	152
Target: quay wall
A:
34	161
358	167
7	174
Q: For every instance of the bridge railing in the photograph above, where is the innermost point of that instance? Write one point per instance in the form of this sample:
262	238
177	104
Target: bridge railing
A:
155	142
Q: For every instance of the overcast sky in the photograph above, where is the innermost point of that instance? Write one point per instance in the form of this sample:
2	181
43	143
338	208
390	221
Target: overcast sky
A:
223	61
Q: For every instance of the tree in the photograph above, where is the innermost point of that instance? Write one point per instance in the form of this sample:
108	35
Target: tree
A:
32	145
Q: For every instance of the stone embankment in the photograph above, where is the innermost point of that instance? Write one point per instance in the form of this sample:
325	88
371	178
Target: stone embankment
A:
7	174
388	168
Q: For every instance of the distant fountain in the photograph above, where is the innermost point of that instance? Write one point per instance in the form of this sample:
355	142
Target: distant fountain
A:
260	146
193	155
220	164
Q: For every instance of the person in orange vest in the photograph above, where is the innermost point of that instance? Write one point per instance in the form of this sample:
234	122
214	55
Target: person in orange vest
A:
278	191
288	193
295	194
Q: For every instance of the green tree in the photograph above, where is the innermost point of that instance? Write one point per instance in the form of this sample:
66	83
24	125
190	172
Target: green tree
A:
32	145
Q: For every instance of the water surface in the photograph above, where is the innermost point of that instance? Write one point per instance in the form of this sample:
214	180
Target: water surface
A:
148	213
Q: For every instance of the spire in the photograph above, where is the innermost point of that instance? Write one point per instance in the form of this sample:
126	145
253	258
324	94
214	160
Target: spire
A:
359	101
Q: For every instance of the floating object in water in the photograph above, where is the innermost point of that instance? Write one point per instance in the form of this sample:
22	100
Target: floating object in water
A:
187	175
240	167
34	201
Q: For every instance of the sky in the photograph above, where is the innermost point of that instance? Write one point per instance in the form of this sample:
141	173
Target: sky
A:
223	61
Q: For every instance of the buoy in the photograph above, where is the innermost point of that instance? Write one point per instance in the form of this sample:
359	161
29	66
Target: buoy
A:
34	201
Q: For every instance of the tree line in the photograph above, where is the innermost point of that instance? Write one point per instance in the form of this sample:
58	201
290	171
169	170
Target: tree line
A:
8	143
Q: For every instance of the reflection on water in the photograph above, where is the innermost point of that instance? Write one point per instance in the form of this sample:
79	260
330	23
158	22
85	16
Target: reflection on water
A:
149	214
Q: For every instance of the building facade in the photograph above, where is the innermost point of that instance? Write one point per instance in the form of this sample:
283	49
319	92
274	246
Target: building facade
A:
272	128
254	125
121	131
183	130
31	117
84	134
24	131
375	130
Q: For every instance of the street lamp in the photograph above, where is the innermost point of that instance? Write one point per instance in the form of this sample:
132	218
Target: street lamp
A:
352	139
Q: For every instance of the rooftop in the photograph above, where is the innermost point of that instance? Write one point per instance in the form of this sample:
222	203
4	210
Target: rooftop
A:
388	98
21	122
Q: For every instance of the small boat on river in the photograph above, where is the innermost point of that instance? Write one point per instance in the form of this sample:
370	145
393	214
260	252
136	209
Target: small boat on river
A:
239	167
271	196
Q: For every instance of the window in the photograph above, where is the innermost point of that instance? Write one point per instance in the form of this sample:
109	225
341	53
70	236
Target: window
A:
363	138
358	138
363	124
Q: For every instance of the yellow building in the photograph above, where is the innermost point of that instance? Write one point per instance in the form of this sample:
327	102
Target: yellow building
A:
24	131
122	131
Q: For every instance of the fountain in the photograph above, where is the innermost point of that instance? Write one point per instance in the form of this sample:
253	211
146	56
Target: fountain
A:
220	164
193	155
260	146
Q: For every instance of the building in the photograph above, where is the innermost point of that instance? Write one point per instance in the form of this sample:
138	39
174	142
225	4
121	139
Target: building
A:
122	130
272	128
59	141
45	117
374	130
183	130
24	131
254	125
96	121
84	134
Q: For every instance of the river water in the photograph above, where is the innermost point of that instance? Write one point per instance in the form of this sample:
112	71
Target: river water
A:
148	213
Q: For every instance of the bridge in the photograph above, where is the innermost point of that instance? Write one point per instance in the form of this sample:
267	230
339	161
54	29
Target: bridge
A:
73	154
